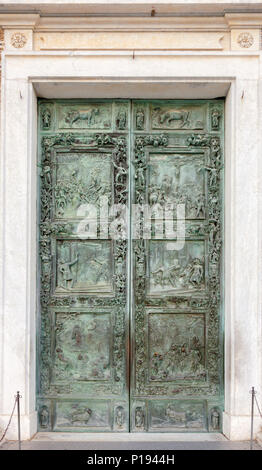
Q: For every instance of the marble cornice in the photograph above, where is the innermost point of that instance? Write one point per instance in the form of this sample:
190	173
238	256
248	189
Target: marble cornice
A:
36	22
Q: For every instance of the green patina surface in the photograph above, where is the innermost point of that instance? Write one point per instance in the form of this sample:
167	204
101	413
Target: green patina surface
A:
130	332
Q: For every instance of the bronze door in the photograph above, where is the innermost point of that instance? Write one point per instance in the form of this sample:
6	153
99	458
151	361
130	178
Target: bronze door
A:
130	319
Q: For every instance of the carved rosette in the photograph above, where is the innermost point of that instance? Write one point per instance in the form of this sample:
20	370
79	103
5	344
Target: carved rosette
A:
245	40
18	40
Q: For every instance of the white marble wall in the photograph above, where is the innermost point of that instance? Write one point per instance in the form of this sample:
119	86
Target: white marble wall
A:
239	73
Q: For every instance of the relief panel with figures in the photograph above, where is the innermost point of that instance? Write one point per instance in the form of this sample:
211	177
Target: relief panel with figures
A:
130	328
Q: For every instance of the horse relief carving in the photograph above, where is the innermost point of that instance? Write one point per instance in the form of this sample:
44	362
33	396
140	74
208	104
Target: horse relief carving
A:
177	414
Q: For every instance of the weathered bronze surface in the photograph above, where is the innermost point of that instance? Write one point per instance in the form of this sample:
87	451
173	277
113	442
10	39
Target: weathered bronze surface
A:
130	330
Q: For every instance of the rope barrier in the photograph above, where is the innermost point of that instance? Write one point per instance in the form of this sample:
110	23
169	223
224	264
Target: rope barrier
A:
253	401
258	406
9	422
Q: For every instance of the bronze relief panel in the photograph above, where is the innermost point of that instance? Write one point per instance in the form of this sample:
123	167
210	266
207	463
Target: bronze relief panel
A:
81	179
89	116
82	349
130	323
178	117
176	347
83	317
176	271
178	179
84	266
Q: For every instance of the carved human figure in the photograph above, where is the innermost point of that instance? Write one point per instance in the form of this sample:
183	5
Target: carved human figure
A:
119	418
215	118
46	175
153	194
121	120
60	355
140	118
215	152
174	272
121	171
65	269
44	417
140	177
195	354
215	418
213	233
46	118
214	257
200	206
213	176
166	187
101	269
77	335
139	417
213	206
197	273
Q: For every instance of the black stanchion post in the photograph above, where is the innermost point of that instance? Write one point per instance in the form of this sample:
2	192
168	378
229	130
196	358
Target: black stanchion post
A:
252	417
18	396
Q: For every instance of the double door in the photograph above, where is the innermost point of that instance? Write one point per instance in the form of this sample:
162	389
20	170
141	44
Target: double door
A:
130	324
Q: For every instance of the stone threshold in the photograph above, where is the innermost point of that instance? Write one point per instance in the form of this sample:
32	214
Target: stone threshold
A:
127	437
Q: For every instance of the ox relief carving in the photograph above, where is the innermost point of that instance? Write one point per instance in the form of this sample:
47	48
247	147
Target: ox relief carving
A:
92	116
82	347
178	179
177	415
176	346
168	117
81	414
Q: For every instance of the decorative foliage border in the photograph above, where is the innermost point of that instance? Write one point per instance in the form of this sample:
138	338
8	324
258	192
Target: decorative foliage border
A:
210	303
49	229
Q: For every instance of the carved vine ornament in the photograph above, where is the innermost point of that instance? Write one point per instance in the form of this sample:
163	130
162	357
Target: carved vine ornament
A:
155	378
